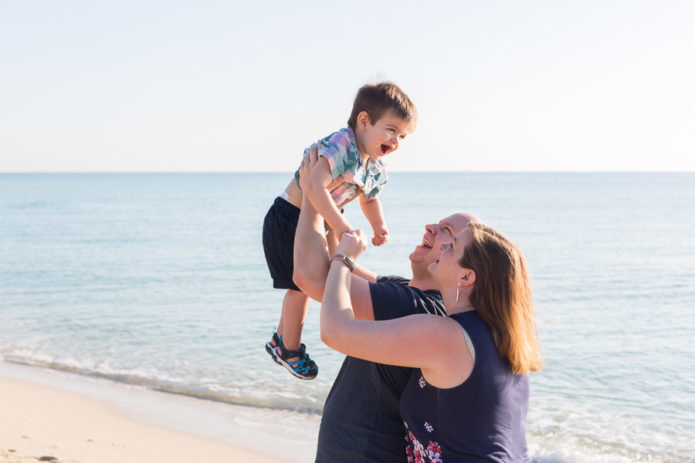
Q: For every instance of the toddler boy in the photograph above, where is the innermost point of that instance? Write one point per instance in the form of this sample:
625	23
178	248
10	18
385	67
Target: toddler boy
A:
349	166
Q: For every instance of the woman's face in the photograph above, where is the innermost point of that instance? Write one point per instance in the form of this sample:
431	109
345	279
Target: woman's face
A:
446	269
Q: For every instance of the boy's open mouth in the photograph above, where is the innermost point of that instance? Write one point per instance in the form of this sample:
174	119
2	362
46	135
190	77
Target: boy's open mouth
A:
385	149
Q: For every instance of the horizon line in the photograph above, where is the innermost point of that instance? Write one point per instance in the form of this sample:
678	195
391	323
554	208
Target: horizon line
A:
120	172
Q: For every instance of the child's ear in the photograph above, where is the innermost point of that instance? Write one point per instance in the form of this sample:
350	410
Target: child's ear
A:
363	120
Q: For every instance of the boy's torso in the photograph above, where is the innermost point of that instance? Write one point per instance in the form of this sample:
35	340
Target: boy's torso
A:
351	175
293	194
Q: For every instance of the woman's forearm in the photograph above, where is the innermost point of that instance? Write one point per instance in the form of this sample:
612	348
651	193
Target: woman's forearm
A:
336	308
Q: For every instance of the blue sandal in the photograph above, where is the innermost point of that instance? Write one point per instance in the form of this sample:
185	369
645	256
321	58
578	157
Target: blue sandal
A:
304	368
270	348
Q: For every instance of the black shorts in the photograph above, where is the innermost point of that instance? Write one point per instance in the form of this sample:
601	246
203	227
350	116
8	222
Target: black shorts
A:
278	242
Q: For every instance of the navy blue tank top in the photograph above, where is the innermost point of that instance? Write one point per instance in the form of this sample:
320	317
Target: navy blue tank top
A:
480	420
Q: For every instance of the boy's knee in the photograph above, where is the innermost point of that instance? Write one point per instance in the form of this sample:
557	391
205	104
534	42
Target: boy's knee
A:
299	279
296	294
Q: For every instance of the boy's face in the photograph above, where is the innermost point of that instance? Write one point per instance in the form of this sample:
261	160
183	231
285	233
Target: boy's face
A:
383	137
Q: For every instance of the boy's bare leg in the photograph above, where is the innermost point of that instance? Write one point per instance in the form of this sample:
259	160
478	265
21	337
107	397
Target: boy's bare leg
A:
279	328
294	308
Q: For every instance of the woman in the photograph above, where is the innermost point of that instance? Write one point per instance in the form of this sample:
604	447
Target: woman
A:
468	395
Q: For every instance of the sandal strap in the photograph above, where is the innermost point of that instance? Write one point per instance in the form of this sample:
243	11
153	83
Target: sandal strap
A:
304	364
301	352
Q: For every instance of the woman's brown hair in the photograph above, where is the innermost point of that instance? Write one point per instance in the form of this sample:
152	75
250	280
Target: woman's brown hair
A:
502	296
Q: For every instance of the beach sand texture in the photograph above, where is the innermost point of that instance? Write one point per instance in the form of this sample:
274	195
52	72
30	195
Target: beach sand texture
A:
43	424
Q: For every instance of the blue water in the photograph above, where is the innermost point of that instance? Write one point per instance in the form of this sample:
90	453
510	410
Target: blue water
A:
160	280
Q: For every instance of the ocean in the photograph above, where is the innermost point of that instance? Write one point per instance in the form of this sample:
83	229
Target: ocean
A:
159	280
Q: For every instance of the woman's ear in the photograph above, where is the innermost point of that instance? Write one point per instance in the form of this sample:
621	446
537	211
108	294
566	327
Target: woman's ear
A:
363	120
467	279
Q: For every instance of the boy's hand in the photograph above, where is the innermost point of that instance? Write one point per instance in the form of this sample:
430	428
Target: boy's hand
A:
340	233
381	235
352	244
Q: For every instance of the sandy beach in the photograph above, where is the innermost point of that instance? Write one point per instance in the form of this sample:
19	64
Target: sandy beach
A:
46	416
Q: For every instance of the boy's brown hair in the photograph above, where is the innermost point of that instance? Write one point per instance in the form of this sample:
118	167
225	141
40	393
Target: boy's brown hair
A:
377	99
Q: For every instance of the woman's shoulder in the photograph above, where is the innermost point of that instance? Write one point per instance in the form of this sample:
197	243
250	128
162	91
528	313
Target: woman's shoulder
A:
475	327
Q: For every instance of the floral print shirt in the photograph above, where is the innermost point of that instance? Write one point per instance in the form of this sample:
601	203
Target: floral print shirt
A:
417	452
480	420
346	163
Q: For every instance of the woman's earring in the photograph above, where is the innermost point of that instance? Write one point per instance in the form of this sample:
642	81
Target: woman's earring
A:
458	288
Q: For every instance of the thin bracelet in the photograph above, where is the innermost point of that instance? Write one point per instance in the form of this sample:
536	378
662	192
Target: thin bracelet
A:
344	259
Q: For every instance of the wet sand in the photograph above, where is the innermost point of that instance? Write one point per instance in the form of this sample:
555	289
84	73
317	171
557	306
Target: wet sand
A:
76	420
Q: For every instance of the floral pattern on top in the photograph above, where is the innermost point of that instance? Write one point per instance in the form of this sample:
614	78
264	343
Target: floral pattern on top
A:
345	161
421	382
417	453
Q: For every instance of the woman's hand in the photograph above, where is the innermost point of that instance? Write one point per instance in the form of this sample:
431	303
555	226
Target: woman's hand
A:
308	163
352	244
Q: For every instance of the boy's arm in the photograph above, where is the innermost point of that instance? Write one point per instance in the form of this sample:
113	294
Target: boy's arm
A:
372	210
311	260
316	189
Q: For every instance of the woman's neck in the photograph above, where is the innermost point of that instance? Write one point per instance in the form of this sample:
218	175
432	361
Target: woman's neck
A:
453	306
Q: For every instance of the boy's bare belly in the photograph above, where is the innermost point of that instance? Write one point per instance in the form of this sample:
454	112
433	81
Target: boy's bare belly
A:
294	195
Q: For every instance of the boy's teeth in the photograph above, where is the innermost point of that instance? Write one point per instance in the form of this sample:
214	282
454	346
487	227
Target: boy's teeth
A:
426	244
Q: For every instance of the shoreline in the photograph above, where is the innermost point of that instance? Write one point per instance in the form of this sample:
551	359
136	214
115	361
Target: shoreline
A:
78	419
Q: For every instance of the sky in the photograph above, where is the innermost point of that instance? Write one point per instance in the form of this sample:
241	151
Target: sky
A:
170	86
